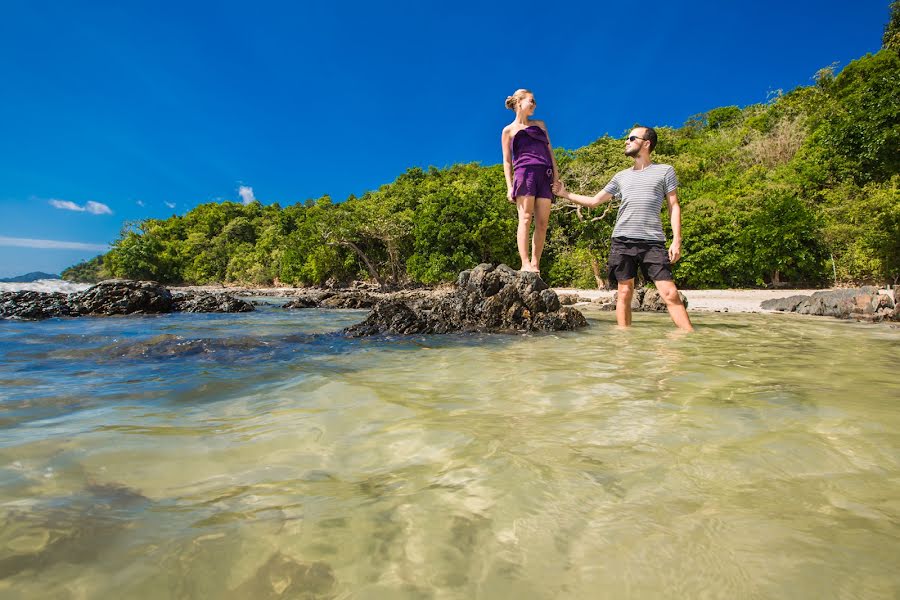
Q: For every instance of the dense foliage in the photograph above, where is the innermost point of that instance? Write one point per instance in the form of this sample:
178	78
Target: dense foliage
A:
802	189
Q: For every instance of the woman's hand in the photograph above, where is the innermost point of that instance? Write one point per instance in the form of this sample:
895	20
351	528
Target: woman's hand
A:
509	195
559	188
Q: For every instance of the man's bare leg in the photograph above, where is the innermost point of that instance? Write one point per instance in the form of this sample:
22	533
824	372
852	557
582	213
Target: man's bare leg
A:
623	302
669	293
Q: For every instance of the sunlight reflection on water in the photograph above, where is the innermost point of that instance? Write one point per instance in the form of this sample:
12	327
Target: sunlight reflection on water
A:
757	457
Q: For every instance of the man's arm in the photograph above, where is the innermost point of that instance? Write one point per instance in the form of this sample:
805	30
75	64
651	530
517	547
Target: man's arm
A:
675	219
590	201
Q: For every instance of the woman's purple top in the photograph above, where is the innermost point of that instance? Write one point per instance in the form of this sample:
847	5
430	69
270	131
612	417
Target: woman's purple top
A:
531	148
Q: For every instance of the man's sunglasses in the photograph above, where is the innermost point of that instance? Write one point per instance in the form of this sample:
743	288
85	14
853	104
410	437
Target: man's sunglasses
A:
631	138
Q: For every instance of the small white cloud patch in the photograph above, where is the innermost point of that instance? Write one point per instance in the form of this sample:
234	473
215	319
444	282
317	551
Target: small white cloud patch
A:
95	208
246	193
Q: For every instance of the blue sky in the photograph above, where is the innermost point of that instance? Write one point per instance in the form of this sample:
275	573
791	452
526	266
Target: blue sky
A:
117	111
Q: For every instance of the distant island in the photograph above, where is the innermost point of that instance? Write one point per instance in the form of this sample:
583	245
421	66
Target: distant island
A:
29	277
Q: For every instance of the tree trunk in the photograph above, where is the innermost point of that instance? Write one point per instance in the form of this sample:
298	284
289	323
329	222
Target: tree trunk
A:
362	255
598	278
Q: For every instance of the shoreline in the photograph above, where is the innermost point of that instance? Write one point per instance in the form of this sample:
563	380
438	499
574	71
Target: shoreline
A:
731	300
711	300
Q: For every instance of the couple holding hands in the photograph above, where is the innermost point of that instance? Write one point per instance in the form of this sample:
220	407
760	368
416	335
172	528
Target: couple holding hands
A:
638	240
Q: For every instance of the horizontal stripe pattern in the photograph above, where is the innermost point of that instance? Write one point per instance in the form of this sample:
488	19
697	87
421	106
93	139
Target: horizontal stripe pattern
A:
642	193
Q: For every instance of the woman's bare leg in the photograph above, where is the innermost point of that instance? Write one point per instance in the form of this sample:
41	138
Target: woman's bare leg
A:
541	218
525	207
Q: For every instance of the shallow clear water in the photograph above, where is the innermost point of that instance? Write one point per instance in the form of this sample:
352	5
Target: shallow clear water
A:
258	455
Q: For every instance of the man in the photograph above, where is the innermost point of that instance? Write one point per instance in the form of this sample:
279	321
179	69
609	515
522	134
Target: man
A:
638	238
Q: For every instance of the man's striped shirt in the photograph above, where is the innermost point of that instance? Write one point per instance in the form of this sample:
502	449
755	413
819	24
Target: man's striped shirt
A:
642	193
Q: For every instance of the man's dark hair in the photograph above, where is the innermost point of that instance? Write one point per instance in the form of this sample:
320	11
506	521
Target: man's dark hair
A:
649	135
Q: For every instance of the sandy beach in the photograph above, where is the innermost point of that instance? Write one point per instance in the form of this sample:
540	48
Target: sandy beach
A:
742	301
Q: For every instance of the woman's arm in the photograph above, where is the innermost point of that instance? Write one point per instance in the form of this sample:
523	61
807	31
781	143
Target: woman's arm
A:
507	163
590	201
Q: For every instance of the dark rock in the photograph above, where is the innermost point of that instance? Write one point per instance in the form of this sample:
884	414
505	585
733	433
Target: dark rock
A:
897	302
123	297
115	297
210	303
788	304
865	303
391	317
35	305
302	302
653	301
488	298
643	300
349	299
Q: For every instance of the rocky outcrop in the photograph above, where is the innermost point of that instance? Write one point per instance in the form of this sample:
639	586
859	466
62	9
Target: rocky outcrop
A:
361	299
122	297
643	300
487	298
863	304
115	297
34	305
209	303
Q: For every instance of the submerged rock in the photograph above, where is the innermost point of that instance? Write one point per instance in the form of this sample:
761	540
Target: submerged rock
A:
488	298
863	304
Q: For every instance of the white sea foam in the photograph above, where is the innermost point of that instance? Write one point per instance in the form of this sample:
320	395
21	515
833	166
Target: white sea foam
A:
45	285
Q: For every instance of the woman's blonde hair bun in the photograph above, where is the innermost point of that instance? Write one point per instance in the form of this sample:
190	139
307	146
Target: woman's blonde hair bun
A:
513	101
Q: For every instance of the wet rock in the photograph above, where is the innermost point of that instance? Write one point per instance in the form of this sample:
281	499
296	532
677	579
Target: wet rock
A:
210	303
865	303
305	301
115	297
897	302
34	305
788	304
123	297
487	298
349	299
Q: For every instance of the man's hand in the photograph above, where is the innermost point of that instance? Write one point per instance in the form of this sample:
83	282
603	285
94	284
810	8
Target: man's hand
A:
675	252
559	188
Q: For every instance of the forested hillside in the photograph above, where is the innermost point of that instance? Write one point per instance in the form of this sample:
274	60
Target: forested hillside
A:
802	189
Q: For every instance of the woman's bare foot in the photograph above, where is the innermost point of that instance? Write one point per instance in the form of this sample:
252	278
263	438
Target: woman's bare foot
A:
528	268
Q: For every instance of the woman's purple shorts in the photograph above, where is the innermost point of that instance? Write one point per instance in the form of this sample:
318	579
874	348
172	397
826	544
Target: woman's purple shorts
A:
533	181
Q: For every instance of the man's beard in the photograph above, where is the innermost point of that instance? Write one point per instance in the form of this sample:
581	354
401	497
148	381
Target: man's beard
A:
632	152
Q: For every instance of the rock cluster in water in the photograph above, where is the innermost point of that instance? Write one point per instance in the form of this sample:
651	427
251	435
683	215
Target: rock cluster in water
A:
487	298
115	297
644	300
864	304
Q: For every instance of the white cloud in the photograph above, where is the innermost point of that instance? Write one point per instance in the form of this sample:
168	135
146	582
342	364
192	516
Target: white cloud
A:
169	204
246	193
50	244
95	208
140	203
66	205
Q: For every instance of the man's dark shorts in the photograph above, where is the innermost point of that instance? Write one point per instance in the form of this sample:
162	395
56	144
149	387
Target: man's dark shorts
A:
625	255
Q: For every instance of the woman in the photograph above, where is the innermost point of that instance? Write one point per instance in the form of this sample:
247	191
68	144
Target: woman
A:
530	169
